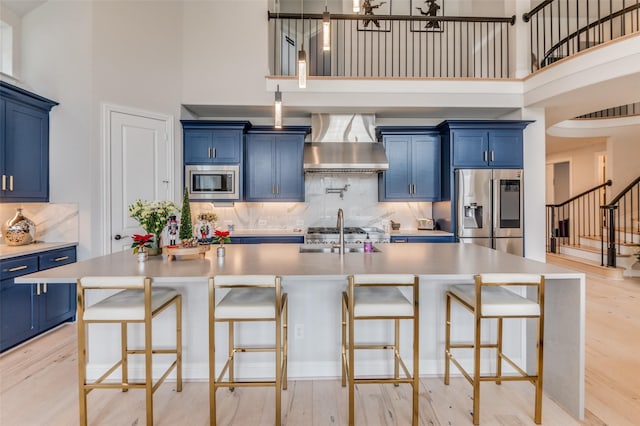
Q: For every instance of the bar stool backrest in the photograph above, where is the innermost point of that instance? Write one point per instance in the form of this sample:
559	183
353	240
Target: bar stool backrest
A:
222	281
133	282
384	279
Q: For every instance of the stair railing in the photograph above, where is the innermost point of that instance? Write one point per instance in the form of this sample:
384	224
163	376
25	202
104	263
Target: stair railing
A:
580	215
561	28
622	221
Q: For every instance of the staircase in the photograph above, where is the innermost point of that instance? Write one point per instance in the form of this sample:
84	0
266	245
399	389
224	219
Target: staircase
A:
594	238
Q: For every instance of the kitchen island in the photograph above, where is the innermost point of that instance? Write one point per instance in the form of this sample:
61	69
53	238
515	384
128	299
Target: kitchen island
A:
314	282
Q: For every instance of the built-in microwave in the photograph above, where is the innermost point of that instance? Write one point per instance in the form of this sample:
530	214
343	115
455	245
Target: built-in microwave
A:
213	182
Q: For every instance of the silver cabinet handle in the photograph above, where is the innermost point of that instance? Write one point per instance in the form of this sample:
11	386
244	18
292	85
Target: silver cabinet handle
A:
492	156
60	259
485	155
4	182
11	183
409	189
208	152
414	189
213	152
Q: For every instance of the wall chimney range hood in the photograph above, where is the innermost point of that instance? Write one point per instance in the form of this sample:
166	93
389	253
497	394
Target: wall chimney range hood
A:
344	143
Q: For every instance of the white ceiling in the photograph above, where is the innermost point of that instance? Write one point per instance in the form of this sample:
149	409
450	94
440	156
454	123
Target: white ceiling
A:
21	7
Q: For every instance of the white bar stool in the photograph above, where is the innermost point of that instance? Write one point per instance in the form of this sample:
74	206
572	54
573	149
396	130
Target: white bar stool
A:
137	302
489	298
378	297
249	298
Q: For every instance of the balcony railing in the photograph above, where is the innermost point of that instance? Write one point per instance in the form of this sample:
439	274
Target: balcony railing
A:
393	46
619	111
561	28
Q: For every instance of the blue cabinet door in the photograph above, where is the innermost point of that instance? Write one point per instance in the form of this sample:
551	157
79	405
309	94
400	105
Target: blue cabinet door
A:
470	148
505	148
414	168
26	152
289	178
273	167
18	318
212	146
425	166
260	167
397	179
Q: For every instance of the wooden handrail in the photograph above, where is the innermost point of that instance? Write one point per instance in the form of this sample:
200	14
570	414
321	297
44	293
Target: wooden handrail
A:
607	183
527	16
622	193
353	17
587	28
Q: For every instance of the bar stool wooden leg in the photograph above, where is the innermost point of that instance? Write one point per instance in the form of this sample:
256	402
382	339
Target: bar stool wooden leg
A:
499	353
344	340
416	357
396	354
232	353
213	387
476	369
447	341
179	344
148	350
285	350
278	384
123	354
82	362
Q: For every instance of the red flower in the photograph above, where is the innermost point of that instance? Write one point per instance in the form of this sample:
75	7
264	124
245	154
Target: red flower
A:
141	241
222	237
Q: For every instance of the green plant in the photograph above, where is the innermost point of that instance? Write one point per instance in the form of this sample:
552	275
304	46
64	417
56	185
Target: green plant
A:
186	229
152	215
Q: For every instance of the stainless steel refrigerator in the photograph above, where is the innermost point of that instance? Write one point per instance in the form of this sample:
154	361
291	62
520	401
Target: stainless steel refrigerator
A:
489	208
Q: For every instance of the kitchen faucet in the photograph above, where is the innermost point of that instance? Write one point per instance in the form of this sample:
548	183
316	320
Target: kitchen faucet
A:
340	226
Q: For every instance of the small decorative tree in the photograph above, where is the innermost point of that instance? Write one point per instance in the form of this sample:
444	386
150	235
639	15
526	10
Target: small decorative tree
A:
186	230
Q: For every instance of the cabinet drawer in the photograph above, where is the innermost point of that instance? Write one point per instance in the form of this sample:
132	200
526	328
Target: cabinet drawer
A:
18	266
60	257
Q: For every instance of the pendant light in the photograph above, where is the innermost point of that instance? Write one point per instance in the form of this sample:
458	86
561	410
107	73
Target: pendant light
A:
302	55
326	29
356	6
278	109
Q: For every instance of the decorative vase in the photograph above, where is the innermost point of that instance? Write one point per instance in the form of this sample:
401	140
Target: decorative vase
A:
19	230
221	251
142	256
155	248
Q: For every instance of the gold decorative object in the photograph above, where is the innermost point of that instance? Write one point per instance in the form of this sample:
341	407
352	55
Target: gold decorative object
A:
19	230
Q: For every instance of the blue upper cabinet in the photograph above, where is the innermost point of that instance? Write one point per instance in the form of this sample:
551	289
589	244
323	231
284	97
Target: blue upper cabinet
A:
414	164
486	143
273	164
24	145
213	142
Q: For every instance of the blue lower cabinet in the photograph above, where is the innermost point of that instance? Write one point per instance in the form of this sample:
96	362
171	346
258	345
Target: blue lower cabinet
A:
27	310
268	240
422	239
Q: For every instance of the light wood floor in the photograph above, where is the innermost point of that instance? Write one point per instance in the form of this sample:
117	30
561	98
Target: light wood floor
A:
38	386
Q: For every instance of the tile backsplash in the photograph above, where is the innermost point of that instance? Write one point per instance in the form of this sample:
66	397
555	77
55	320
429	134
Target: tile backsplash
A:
359	202
54	222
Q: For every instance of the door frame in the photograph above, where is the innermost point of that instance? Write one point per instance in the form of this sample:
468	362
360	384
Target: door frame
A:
561	160
105	173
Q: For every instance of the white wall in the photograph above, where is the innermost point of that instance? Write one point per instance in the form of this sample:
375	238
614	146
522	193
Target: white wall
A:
584	165
15	22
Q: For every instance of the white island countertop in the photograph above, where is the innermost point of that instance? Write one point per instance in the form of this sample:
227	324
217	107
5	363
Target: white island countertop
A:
314	283
435	260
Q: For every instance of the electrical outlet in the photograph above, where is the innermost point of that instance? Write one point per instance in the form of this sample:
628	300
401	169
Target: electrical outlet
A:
298	331
262	222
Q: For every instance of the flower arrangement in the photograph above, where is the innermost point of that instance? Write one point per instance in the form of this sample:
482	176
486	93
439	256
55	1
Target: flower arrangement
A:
140	242
221	237
152	215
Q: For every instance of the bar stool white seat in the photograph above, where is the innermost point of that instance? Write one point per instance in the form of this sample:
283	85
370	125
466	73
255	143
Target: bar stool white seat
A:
378	297
249	298
490	298
136	302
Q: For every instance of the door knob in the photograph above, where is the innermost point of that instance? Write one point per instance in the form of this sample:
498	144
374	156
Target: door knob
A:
119	237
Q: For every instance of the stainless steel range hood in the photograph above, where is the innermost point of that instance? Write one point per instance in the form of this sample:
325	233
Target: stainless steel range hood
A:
344	143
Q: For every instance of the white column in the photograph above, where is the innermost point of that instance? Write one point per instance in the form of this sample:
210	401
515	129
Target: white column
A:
520	46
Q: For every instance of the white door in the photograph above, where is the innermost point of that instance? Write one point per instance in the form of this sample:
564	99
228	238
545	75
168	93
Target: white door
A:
139	156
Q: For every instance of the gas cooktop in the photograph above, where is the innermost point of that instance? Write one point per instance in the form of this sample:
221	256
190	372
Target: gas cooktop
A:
352	234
